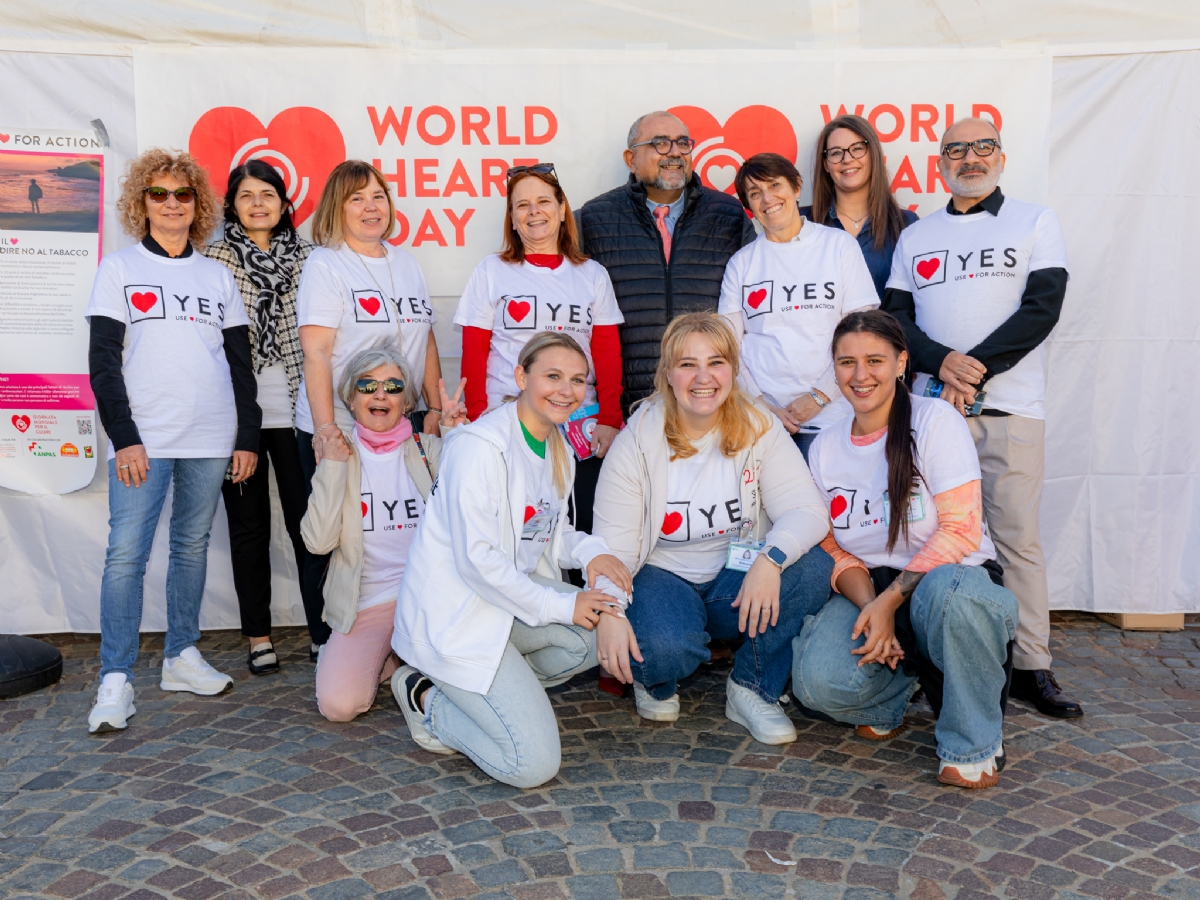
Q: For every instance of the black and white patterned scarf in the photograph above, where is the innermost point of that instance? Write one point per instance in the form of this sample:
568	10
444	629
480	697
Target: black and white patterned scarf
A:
272	273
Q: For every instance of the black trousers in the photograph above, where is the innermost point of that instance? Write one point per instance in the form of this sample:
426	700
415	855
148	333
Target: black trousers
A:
312	574
587	473
248	509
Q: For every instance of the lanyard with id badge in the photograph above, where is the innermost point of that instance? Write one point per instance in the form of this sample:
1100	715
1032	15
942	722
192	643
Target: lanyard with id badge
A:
540	522
916	508
743	550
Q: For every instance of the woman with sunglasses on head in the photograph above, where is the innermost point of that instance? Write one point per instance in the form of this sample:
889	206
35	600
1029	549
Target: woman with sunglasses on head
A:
170	365
367	499
357	293
483	619
917	591
785	293
851	191
262	250
541	282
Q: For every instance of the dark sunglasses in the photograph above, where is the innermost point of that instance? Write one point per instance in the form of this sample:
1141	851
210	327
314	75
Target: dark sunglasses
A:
371	385
160	194
539	169
982	147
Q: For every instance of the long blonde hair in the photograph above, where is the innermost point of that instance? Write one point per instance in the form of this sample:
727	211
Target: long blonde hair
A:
556	444
740	422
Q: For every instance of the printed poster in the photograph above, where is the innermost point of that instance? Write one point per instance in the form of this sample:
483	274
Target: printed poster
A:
51	202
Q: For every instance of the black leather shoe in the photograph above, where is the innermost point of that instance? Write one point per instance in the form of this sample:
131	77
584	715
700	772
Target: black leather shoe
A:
1037	686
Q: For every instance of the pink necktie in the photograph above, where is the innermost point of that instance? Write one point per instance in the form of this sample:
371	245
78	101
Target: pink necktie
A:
660	219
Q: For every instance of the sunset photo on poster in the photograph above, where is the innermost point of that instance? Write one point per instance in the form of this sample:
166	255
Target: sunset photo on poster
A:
49	192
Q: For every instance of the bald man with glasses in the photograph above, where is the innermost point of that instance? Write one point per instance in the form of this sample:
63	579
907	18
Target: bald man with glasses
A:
978	287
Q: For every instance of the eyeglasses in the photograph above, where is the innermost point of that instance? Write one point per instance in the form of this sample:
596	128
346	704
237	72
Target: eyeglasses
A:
663	144
982	147
160	194
371	385
539	169
857	150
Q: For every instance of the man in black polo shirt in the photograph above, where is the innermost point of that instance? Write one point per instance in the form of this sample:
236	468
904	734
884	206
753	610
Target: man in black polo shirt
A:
664	239
978	287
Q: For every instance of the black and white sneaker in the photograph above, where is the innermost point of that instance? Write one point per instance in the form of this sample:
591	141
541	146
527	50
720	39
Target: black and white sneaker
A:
407	686
263	659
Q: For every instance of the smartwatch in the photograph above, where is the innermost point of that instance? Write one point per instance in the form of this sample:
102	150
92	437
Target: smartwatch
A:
775	555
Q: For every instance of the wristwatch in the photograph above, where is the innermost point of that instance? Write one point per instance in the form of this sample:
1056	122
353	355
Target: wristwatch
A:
775	555
817	398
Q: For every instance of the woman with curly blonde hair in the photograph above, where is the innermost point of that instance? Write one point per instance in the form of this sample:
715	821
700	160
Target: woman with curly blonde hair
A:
170	366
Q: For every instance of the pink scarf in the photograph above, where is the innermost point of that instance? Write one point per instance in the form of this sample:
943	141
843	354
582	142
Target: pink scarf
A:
384	441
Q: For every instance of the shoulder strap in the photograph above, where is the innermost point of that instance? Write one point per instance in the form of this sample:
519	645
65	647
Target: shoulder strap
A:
421	450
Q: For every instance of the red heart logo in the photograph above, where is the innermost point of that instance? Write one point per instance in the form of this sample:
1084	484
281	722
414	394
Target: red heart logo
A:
721	149
21	423
4	138
972	275
518	311
143	300
370	304
837	506
530	512
364	508
12	240
756	298
302	143
926	268
671	522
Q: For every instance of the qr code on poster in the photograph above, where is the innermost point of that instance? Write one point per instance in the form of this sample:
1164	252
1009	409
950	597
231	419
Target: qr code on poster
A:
85	426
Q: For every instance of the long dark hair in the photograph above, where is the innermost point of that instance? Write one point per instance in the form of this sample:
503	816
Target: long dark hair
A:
900	447
886	219
256	168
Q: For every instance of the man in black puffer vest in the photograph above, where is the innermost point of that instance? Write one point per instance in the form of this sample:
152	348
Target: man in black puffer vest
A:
627	230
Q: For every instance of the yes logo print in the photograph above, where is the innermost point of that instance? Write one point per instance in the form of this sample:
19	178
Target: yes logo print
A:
721	149
676	525
303	144
757	298
370	306
841	506
929	268
520	312
144	301
368	511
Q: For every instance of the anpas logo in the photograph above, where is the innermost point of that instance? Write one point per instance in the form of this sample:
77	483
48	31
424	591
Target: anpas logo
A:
303	144
36	449
721	149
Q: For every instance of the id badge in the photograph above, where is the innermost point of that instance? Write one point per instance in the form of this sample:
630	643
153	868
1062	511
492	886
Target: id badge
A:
916	508
742	554
535	525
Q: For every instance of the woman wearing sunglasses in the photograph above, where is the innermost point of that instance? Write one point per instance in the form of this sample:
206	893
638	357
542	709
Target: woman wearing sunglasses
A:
541	282
851	192
357	292
170	365
265	254
368	496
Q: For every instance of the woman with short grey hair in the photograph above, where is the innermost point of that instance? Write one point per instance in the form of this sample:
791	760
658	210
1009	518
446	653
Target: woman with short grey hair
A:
368	496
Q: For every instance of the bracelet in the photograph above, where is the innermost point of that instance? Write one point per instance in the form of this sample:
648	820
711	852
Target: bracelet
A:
433	409
817	397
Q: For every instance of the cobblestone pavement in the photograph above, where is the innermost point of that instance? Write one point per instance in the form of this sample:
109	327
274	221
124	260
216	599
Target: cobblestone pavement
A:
254	795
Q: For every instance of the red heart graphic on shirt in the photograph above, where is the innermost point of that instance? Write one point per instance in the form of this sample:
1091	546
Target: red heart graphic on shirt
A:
21	423
302	144
756	298
926	268
143	300
370	304
364	508
972	275
530	512
4	138
837	506
671	522
721	149
517	311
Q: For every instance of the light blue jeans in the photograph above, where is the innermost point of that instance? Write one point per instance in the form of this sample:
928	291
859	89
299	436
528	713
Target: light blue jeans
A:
963	623
132	520
511	731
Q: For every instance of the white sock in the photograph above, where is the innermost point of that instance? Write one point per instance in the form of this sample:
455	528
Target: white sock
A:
114	680
192	655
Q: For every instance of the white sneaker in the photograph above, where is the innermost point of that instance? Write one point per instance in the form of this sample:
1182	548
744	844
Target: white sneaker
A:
189	672
973	776
114	705
407	686
655	710
766	722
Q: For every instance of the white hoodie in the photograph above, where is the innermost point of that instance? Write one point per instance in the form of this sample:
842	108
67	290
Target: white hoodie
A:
462	587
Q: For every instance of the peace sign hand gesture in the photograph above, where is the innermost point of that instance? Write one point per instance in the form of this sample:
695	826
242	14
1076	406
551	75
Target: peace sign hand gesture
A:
454	410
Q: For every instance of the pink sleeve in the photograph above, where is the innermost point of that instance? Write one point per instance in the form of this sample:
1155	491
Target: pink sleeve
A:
842	560
959	531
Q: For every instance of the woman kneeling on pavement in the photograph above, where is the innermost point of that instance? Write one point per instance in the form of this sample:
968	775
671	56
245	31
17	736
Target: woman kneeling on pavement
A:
367	499
483	616
909	587
705	497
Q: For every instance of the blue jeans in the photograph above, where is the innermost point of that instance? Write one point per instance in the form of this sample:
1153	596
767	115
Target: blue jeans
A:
963	623
511	731
674	620
133	518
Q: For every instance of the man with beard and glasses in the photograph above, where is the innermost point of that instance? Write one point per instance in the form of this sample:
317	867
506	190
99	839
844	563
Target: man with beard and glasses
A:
978	287
664	239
